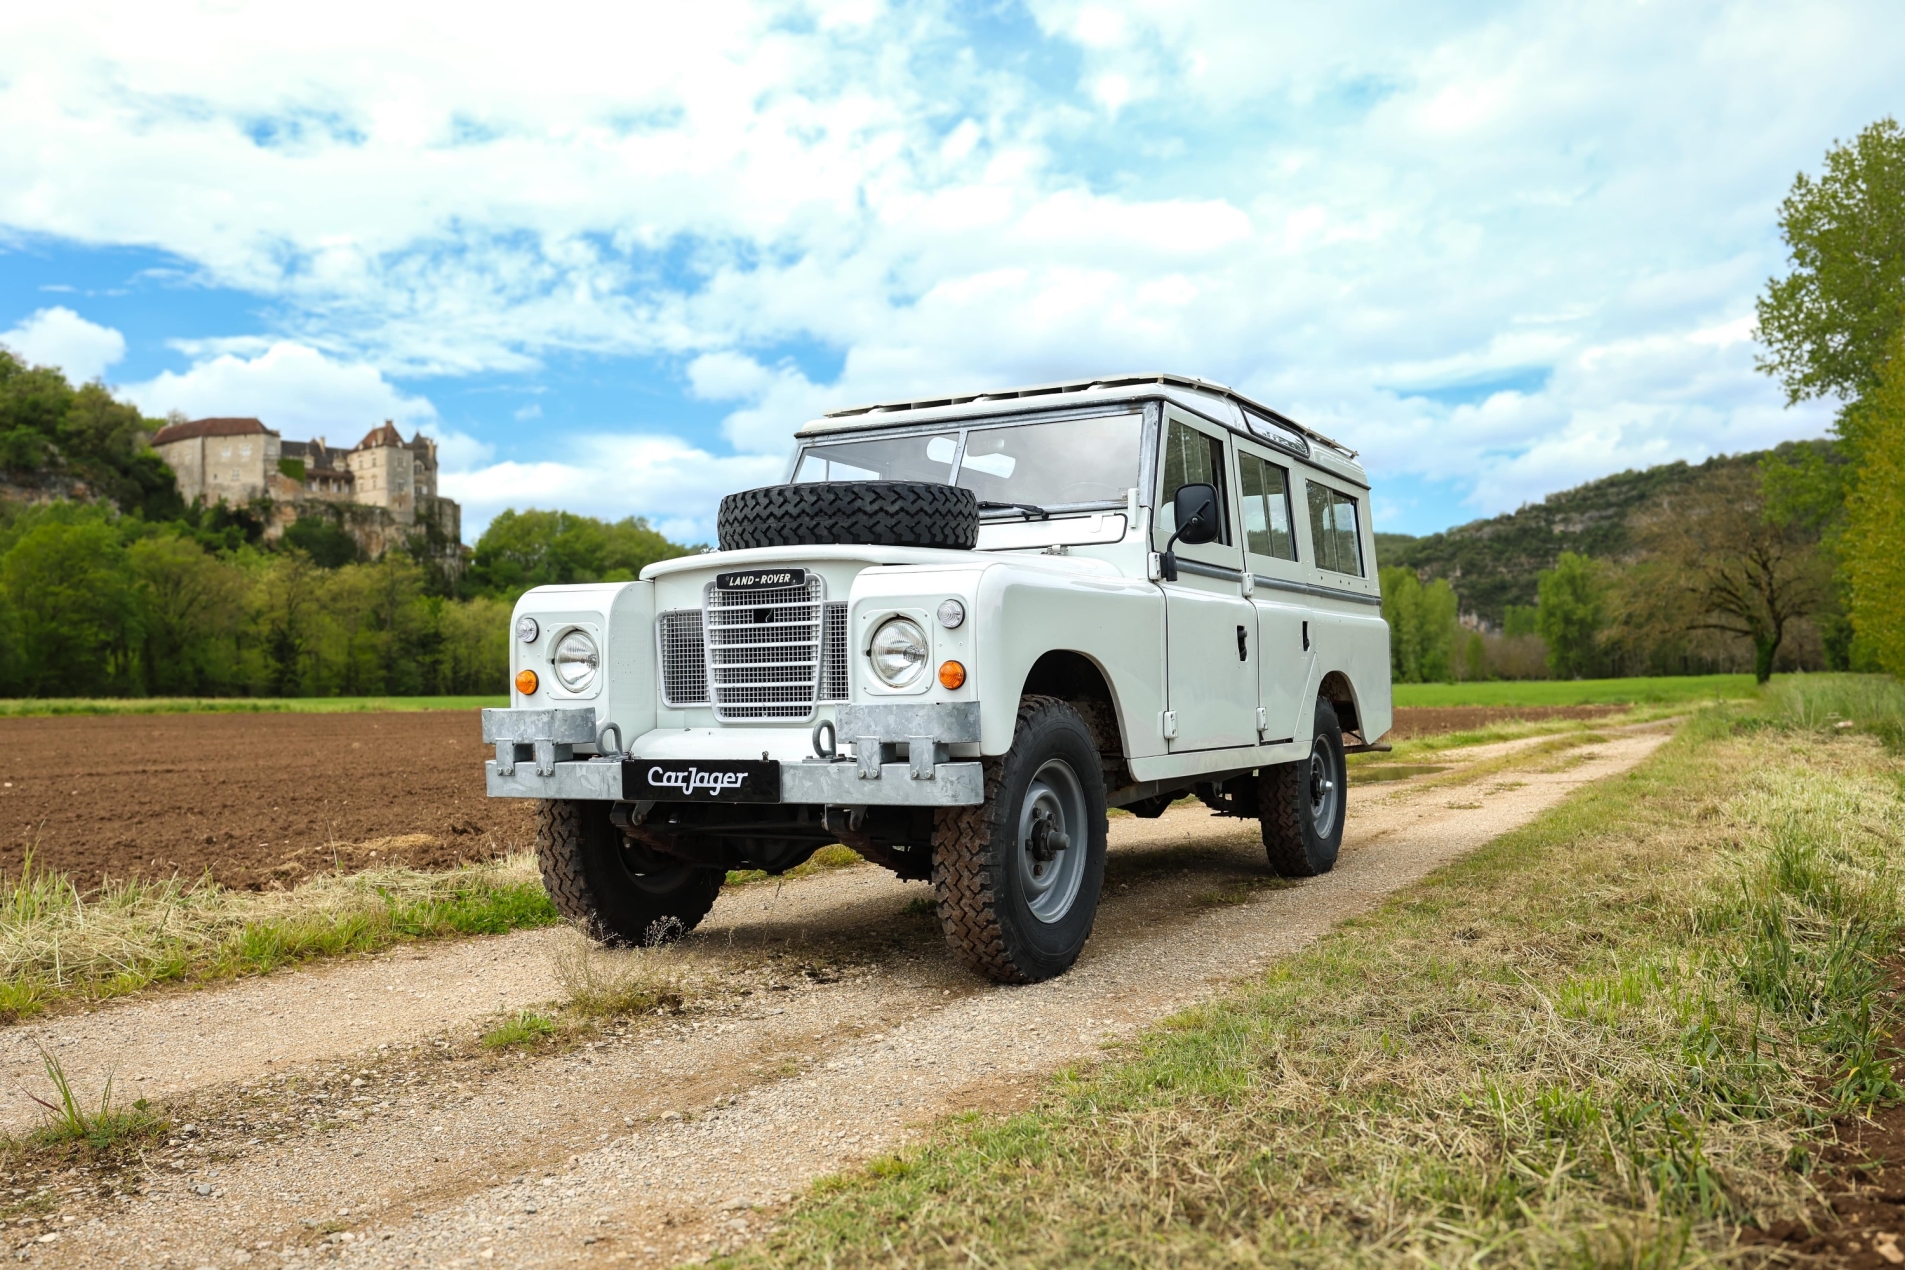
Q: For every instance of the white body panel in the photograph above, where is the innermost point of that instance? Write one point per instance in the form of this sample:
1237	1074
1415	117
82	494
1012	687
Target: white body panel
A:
1079	583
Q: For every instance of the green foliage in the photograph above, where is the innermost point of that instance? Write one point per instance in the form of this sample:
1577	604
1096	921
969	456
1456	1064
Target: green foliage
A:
1873	545
521	550
1518	620
69	1120
1828	324
1570	614
328	544
293	468
1422	627
525	1028
58	437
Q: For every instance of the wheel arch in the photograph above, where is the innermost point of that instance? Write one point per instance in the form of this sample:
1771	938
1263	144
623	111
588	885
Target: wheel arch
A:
1336	689
1080	680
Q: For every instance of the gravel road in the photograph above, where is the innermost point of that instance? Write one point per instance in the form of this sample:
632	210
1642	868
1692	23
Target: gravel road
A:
345	1114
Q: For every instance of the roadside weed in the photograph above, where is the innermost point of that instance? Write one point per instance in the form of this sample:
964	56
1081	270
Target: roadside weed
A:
525	1028
605	982
68	1120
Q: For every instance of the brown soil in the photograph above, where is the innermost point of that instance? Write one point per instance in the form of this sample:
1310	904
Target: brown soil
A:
1414	721
253	798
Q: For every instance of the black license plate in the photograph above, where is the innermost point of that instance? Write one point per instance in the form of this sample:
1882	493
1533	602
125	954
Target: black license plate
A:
759	579
679	781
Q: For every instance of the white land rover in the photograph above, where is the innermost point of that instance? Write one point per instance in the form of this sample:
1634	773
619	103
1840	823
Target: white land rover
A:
962	630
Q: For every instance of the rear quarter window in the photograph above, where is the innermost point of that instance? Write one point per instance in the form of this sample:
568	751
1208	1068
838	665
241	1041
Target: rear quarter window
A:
1336	531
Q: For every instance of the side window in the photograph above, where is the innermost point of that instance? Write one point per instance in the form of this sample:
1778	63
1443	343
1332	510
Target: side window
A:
1334	530
1266	504
1191	458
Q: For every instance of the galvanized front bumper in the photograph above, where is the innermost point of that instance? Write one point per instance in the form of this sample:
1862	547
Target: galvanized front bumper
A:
535	759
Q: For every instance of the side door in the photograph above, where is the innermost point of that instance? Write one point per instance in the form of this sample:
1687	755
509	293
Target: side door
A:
1210	628
1285	646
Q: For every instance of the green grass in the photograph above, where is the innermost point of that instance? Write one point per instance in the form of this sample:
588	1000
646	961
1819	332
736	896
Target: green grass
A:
1580	692
1609	1038
69	1121
59	943
525	1027
27	706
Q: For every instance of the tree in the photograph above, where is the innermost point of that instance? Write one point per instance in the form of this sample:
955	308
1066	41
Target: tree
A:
520	550
1570	609
1422	626
1740	570
1828	324
75	611
193	605
1874	538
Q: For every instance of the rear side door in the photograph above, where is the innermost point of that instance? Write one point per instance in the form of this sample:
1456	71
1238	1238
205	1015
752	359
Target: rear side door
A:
1210	628
1285	656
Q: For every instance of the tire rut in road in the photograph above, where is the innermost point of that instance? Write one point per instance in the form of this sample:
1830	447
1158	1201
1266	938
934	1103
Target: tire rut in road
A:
843	1071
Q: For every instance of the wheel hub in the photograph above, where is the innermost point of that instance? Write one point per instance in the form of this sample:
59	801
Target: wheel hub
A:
1323	787
1050	866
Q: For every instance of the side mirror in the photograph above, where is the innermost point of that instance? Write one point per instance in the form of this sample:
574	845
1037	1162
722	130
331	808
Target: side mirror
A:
1194	508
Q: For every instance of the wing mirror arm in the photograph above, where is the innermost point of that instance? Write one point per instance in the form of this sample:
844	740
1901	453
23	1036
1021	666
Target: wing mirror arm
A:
1167	563
1195	511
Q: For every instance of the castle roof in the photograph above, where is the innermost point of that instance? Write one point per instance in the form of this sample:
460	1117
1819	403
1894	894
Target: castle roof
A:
208	428
385	434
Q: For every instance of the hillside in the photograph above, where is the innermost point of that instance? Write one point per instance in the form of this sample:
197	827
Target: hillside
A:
1492	563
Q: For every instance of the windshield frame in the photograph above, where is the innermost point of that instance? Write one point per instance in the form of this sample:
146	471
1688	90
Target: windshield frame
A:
1140	411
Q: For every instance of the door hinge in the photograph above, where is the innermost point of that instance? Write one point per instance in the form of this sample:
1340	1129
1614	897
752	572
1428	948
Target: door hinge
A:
1263	722
1249	583
1170	725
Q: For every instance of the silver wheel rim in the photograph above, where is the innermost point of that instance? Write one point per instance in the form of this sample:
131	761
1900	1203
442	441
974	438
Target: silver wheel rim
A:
1325	793
1051	841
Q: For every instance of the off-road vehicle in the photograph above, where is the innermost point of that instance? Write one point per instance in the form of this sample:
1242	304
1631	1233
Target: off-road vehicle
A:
960	631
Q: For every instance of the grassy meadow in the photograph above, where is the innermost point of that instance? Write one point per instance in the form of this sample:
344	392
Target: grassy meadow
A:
1613	1037
1582	692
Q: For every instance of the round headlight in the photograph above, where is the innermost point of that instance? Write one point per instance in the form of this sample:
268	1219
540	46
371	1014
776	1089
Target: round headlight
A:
951	614
576	661
527	630
899	652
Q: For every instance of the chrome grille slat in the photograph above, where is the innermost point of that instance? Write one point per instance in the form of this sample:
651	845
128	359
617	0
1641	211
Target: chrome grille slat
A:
764	670
684	664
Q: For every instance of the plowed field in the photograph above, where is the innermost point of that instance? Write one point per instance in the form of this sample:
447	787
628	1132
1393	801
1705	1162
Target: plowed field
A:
263	798
251	797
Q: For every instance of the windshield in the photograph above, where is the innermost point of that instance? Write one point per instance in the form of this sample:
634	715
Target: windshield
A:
1066	463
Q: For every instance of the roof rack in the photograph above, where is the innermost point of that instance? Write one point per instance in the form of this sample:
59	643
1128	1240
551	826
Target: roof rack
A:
1108	381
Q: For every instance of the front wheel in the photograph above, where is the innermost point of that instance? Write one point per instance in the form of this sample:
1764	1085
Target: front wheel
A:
1018	876
1302	805
599	884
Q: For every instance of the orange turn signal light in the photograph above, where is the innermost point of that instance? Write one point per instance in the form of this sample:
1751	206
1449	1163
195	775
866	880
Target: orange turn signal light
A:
951	674
525	681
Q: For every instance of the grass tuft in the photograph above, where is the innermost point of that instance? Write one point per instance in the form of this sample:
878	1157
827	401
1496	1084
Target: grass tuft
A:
68	1120
619	982
526	1027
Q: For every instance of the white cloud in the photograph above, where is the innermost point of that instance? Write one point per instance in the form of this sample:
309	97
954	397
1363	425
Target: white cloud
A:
1351	210
60	337
661	477
293	388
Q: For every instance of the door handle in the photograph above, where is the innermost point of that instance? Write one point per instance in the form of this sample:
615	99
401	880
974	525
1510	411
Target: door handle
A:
1306	637
1243	645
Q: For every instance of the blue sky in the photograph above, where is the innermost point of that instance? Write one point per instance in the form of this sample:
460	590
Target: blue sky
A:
611	258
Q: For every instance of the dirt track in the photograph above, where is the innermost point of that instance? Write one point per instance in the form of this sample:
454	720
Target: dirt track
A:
253	798
834	1026
257	799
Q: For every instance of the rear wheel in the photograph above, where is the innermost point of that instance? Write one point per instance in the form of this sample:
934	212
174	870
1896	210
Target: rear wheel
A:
1018	876
604	887
1302	804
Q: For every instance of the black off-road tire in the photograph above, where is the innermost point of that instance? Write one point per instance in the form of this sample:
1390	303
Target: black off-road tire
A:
1297	844
977	863
586	870
850	513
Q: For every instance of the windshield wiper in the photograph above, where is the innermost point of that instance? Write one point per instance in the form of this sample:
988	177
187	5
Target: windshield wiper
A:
1032	510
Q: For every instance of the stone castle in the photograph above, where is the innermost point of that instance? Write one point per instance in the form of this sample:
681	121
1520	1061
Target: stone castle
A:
383	490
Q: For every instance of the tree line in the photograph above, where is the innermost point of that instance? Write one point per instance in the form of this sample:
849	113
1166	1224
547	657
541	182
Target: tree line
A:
111	586
1797	561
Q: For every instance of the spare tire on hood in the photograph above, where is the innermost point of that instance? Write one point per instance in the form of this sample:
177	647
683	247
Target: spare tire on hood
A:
850	513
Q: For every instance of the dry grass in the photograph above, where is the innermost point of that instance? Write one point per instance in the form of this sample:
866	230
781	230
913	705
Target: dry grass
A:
619	982
59	943
1609	1038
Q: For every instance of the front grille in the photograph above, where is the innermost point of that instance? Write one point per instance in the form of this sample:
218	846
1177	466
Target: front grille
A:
684	659
764	651
833	653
